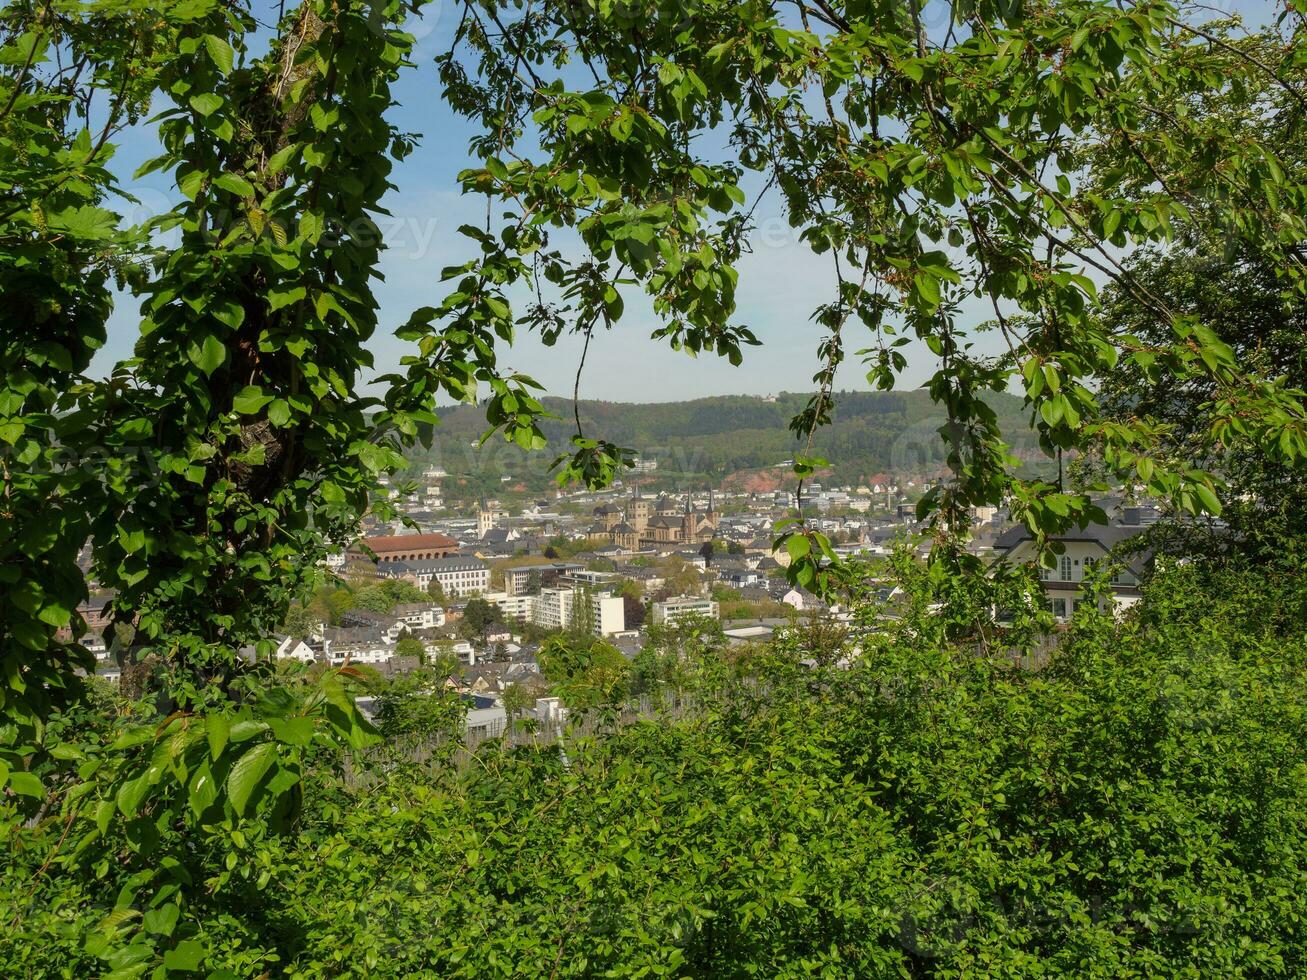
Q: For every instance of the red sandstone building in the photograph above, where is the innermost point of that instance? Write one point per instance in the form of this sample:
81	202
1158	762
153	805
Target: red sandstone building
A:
407	547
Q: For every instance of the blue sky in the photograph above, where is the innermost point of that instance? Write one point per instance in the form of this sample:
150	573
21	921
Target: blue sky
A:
780	283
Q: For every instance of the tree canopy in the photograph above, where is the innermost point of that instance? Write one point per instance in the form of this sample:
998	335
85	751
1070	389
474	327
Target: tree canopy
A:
1024	155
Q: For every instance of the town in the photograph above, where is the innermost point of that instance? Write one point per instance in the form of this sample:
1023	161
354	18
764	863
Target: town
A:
472	591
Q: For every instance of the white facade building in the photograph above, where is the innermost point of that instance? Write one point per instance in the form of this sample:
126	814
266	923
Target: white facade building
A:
552	609
419	615
1082	550
679	607
457	575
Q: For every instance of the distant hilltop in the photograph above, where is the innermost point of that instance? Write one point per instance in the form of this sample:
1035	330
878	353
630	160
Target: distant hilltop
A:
742	440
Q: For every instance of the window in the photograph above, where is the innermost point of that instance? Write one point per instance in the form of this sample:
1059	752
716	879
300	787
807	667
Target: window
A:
1058	608
1065	568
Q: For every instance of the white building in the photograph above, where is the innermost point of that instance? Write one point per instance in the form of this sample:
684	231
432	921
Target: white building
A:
1082	550
519	607
679	607
360	653
552	609
796	599
419	615
457	575
292	648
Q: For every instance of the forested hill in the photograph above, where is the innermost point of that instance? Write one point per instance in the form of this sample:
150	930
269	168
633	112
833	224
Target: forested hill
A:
719	438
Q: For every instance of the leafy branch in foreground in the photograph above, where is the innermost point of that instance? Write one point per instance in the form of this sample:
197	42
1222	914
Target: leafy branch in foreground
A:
209	473
934	167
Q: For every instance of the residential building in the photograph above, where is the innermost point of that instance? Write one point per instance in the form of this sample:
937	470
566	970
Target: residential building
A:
1082	550
553	608
382	625
419	615
670	610
485	717
586	578
458	575
96	614
518	607
527	579
358	645
293	648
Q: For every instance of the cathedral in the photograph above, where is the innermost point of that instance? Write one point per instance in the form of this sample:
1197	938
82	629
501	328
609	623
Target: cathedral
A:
663	522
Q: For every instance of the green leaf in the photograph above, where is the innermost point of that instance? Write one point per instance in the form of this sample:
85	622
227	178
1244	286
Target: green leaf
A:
221	52
228	311
311	226
206	103
208	354
293	731
279	412
187	956
161	921
1211	503
217	728
277	162
247	773
235	184
131	794
26	784
203	790
250	400
927	288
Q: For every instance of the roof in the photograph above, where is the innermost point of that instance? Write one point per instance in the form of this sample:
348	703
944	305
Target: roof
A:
548	566
409	542
452	563
1108	536
404	608
361	612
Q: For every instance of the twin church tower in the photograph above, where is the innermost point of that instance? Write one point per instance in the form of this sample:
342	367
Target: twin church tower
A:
662	522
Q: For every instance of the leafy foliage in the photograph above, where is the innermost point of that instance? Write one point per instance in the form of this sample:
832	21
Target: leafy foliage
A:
933	810
418	705
933	167
210	824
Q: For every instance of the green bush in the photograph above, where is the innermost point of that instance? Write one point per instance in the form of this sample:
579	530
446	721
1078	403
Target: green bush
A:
1137	807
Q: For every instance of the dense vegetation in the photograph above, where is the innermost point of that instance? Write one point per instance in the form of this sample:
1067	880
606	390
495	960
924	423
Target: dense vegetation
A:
1133	807
699	442
1136	807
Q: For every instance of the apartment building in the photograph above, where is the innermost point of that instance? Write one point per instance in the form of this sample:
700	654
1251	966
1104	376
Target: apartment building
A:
680	607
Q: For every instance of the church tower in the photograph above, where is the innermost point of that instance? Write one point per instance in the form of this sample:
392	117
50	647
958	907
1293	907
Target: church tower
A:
638	511
485	518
